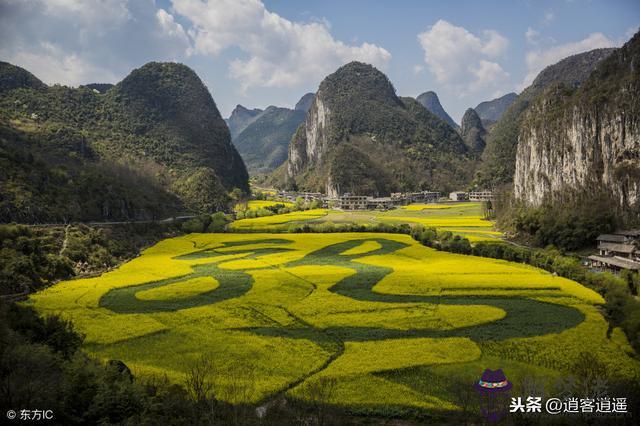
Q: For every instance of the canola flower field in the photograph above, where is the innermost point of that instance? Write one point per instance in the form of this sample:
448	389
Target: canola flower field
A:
260	204
462	218
393	321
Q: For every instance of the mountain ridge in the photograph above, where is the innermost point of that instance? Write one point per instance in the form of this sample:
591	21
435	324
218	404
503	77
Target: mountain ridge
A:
431	102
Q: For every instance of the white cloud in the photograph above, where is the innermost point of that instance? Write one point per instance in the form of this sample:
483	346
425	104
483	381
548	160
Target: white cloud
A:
103	14
76	42
487	74
532	36
458	58
495	44
418	69
280	52
170	28
61	67
548	18
537	60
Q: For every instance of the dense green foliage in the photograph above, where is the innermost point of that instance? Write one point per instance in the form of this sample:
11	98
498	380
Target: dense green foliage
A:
277	208
499	157
52	175
206	223
12	77
570	225
263	143
74	154
366	126
31	258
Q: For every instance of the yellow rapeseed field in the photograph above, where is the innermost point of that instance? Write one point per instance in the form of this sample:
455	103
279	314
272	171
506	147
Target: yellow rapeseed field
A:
379	312
260	204
462	218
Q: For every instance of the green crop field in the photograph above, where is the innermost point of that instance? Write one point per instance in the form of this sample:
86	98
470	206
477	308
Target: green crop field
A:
395	322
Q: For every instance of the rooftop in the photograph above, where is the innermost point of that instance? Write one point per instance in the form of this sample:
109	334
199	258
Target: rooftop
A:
620	262
612	238
618	248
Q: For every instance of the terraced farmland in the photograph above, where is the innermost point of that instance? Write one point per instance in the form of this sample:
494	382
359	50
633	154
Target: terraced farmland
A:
380	312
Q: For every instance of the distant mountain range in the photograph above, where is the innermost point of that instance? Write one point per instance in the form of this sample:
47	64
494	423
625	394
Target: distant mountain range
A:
430	101
152	145
262	137
491	111
305	102
263	143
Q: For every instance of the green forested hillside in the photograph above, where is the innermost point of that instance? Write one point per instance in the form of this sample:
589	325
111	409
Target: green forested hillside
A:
153	145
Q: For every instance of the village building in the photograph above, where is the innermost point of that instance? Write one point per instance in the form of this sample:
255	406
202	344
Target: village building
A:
459	196
353	202
481	196
404	198
617	251
381	203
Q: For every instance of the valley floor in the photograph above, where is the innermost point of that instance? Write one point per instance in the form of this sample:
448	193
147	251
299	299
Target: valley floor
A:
384	323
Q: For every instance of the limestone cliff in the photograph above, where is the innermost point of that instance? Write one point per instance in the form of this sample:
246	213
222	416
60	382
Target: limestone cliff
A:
578	141
499	156
360	137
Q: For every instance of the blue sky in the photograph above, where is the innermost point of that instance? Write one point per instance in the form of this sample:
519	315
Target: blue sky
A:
259	53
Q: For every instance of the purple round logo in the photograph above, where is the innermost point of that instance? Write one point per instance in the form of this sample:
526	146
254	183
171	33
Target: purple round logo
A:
493	389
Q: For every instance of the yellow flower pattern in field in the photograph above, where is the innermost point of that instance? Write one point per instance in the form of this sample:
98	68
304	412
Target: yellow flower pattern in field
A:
284	311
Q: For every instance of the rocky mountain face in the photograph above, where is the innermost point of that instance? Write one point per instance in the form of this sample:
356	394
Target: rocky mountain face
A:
472	131
264	142
430	101
240	118
491	111
153	145
305	102
356	124
576	142
499	157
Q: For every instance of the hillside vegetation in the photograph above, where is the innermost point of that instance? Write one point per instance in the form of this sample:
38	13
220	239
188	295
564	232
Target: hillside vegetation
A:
150	146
